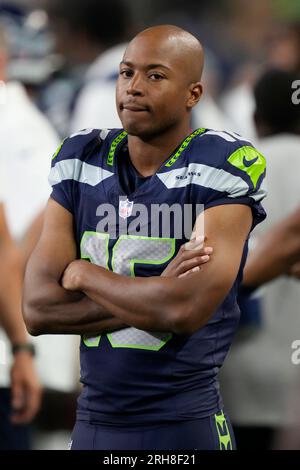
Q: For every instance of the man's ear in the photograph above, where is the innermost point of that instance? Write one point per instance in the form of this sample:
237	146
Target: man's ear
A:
195	93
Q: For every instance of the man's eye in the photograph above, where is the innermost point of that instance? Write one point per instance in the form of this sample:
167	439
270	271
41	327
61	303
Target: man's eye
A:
156	76
126	73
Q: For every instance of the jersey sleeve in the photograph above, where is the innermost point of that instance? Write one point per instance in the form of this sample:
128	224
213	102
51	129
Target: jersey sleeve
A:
66	167
61	176
240	180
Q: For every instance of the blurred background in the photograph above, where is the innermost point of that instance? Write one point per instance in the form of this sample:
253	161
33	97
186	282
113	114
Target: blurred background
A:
59	59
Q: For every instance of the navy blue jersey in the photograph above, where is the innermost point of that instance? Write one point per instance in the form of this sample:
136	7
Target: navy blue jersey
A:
132	376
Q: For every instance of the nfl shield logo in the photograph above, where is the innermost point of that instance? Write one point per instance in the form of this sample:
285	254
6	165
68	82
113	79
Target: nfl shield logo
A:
125	208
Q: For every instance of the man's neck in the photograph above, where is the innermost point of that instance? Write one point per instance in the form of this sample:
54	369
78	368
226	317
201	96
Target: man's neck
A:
148	155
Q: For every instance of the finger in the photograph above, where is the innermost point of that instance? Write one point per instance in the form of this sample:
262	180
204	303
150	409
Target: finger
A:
30	407
189	254
198	251
18	401
191	271
176	266
17	395
194	243
194	262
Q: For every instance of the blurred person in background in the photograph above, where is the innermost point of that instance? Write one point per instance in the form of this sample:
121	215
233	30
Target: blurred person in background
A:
210	114
90	37
284	48
19	403
34	63
280	50
259	375
27	140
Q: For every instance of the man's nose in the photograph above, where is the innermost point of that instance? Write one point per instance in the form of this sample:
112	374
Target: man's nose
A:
136	85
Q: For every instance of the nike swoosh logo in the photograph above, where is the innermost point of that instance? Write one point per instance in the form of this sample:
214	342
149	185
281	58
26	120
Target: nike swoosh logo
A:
249	162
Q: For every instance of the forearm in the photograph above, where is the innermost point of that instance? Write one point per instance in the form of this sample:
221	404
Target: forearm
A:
57	311
11	288
260	270
155	303
274	254
144	303
101	325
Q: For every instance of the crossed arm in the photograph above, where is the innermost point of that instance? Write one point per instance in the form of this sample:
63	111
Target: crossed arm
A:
66	296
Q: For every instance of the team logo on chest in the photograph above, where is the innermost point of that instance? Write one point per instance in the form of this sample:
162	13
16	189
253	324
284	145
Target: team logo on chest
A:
125	208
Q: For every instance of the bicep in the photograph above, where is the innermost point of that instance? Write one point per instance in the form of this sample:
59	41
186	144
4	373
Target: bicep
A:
56	247
198	295
226	228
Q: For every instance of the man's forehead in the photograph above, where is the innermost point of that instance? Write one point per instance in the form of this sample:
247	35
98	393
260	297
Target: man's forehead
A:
154	42
145	64
145	54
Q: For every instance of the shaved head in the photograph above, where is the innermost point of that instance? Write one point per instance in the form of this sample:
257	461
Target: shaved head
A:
179	45
159	81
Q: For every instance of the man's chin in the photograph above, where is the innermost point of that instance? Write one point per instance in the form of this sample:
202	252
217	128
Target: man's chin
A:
136	130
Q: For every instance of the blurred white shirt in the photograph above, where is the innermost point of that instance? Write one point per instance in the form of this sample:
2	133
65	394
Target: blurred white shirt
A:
208	114
238	105
27	144
96	103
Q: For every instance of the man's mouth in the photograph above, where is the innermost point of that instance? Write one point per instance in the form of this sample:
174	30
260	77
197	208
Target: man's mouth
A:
134	108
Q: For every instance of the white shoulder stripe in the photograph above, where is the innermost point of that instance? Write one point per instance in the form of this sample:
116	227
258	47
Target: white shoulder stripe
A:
77	170
104	133
83	132
226	135
207	176
221	134
261	193
238	136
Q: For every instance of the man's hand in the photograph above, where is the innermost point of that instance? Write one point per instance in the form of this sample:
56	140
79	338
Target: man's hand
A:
72	277
189	259
25	388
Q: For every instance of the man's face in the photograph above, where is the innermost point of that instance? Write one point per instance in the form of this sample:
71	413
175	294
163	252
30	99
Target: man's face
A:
152	88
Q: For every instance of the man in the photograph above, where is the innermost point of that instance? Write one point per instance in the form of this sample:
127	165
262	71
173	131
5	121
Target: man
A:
150	383
19	405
